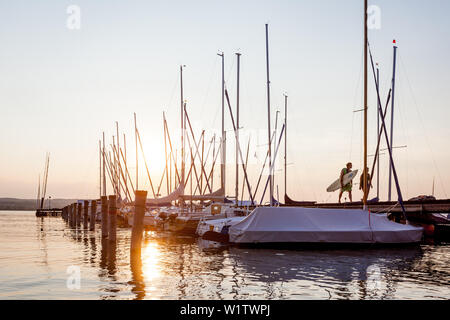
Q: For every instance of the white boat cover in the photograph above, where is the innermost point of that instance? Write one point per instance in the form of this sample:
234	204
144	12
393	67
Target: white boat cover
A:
218	195
316	225
169	198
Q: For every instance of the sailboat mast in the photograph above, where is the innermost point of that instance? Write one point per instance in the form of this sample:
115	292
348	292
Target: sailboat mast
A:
100	166
378	129
432	190
39	192
285	143
238	55
170	172
175	161
223	149
44	186
125	160
165	153
137	160
275	146
202	168
104	166
392	120
118	159
115	168
214	158
365	106
268	116
182	123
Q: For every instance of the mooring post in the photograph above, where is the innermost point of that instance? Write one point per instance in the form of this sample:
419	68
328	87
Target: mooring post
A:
112	223
85	213
70	215
138	223
92	217
73	212
104	216
79	207
74	215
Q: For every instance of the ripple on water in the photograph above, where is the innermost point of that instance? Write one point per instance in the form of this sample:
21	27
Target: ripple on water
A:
35	254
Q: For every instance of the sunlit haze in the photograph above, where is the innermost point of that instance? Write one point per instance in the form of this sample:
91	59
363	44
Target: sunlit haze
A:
60	88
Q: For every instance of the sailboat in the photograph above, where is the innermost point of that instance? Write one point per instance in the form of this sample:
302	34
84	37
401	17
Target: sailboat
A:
40	212
187	221
315	225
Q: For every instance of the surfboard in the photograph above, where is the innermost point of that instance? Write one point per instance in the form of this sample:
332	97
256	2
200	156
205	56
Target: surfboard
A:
347	178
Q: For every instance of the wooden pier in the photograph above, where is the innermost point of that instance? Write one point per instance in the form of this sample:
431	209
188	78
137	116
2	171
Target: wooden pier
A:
411	207
55	212
421	212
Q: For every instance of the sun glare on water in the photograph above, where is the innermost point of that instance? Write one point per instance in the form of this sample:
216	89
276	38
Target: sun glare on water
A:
150	261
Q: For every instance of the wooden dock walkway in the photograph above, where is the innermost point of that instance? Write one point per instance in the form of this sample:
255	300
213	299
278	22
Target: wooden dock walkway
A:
55	212
414	206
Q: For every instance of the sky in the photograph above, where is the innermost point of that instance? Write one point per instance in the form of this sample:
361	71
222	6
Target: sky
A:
61	87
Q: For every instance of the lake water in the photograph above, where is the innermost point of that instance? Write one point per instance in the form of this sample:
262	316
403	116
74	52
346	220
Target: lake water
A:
41	258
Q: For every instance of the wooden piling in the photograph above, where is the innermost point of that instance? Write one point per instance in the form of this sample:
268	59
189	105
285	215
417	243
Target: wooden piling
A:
138	223
85	213
70	215
74	215
93	213
79	208
104	216
112	223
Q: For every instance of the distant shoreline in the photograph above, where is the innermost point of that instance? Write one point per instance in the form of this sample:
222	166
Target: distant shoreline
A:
16	204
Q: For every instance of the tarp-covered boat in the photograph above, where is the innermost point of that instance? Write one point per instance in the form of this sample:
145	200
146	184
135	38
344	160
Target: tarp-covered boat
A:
314	225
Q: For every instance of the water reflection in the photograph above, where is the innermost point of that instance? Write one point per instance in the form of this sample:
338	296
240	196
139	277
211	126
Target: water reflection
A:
112	248
42	239
174	267
150	257
103	257
108	269
338	273
202	270
93	249
86	251
137	282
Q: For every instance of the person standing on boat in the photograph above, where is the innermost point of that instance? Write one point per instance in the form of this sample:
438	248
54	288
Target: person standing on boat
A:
348	186
361	181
